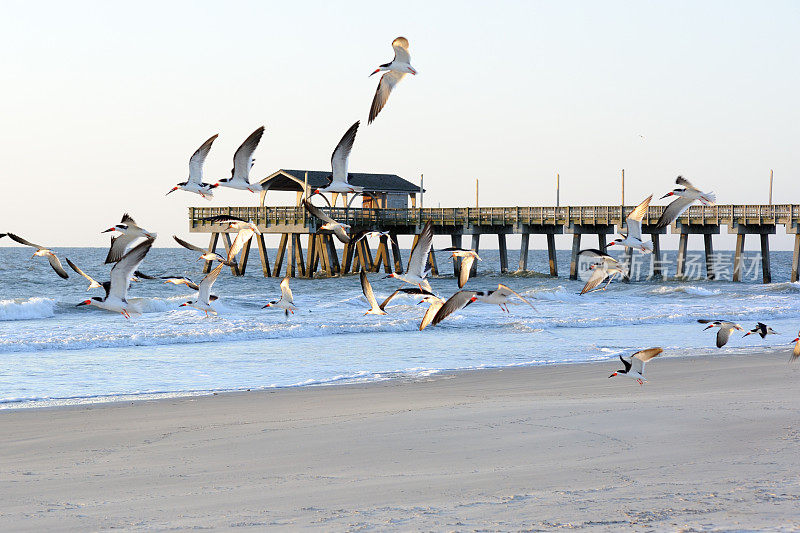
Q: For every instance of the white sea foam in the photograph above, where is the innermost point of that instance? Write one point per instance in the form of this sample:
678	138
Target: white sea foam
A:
29	309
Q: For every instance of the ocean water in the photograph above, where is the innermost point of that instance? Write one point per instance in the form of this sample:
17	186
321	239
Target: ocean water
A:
52	352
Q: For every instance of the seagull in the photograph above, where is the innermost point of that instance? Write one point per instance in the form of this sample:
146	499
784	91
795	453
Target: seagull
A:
204	296
233	222
242	163
366	288
129	232
686	197
339	181
762	329
500	297
435	303
796	351
725	329
634	224
117	293
287	301
329	224
411	291
42	251
605	267
181	280
397	69
418	260
635	367
468	257
205	254
93	284
457	301
195	181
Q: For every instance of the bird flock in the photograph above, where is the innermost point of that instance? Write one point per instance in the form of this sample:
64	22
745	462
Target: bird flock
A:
129	247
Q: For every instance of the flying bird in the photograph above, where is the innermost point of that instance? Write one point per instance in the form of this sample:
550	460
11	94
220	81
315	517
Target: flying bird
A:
410	291
418	260
634	224
129	232
604	266
233	222
195	181
93	284
287	300
366	288
434	305
396	70
635	367
242	163
204	254
337	228
339	180
456	302
181	280
204	296
687	195
761	329
500	296
42	251
796	351
468	257
725	329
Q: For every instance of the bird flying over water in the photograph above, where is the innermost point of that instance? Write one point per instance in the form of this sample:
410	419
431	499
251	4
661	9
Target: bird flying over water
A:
687	194
42	251
635	367
195	181
411	291
456	302
204	296
93	284
396	70
468	257
204	254
634	227
339	179
287	300
500	296
418	260
129	232
242	163
366	288
603	266
761	329
725	329
337	228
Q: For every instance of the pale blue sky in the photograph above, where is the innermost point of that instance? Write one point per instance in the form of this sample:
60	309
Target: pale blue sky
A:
97	96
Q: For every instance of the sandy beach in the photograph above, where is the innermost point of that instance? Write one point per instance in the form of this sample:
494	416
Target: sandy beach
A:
708	443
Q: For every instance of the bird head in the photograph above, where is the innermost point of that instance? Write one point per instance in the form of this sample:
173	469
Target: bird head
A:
670	193
172	190
269	304
473	299
109	229
613	375
746	334
796	340
190	302
375	71
392	275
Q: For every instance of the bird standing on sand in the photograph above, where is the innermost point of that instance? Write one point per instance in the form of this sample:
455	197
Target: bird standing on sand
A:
42	251
339	180
195	181
603	266
366	288
397	69
468	257
418	260
242	163
687	195
129	232
762	329
635	367
634	225
287	301
204	296
725	329
338	229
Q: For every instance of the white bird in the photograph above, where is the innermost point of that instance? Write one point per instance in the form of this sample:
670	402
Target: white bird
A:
761	329
468	257
116	296
42	251
181	280
635	367
434	305
204	254
366	288
339	181
725	329
687	195
604	266
204	296
410	291
634	224
93	284
418	260
457	301
500	296
796	351
195	181
337	228
129	232
365	234
397	69
233	222
244	235
287	301
242	163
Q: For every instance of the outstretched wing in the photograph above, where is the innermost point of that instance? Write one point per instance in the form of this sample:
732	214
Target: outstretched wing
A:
507	291
188	245
401	55
673	211
243	158
723	334
197	160
459	300
204	290
626	363
93	284
56	264
286	292
680	180
634	220
366	288
122	271
466	268
241	239
20	240
341	154
641	357
418	260
385	86
118	246
429	315
316	212
599	274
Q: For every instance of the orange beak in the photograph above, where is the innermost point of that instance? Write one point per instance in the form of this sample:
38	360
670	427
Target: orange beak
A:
375	71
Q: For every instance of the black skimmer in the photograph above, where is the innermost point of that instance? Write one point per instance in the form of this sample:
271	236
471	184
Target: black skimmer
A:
242	163
242	237
181	280
337	228
366	288
633	222
796	351
762	329
410	291
42	251
233	222
500	296
116	295
434	305
457	301
93	284
129	232
603	266
195	181
287	300
204	254
397	69
204	296
339	181
364	234
418	260
725	329
635	367
3	235
468	257
687	195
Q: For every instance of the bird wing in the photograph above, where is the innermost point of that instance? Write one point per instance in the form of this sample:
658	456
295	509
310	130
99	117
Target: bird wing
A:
142	275
385	86
634	220
317	212
626	363
406	290
243	158
723	335
709	321
459	300
429	315
122	271
216	219
680	180
418	260
23	241
641	357
401	54
118	246
197	160
128	220
286	292
241	239
204	289
187	245
598	256
387	300
796	351
92	282
366	288
507	291
341	234
673	211
466	268
342	152
599	274
56	264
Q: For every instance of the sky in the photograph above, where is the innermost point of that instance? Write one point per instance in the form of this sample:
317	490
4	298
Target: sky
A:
103	103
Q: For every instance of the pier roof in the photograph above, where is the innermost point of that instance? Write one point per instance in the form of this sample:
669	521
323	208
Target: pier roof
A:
292	180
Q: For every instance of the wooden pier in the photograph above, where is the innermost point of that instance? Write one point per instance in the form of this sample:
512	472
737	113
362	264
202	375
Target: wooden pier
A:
292	222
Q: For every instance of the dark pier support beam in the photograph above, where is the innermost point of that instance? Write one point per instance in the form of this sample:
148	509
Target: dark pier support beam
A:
324	255
762	230
601	242
226	241
383	254
455	241
655	261
523	251
369	262
476	241
347	257
503	249
573	264
796	259
551	254
291	265
398	259
312	253
709	249
276	268
629	263
245	256
601	230
737	258
766	273
262	254
298	256
212	247
680	268
333	255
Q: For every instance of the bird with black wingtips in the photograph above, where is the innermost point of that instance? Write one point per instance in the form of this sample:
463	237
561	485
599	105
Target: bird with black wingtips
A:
286	301
633	239
456	302
396	71
366	288
687	194
42	251
233	222
418	269
194	182
725	329
434	305
634	368
204	254
242	163
129	233
468	257
93	284
500	296
409	291
204	296
339	180
181	280
338	229
603	267
761	329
